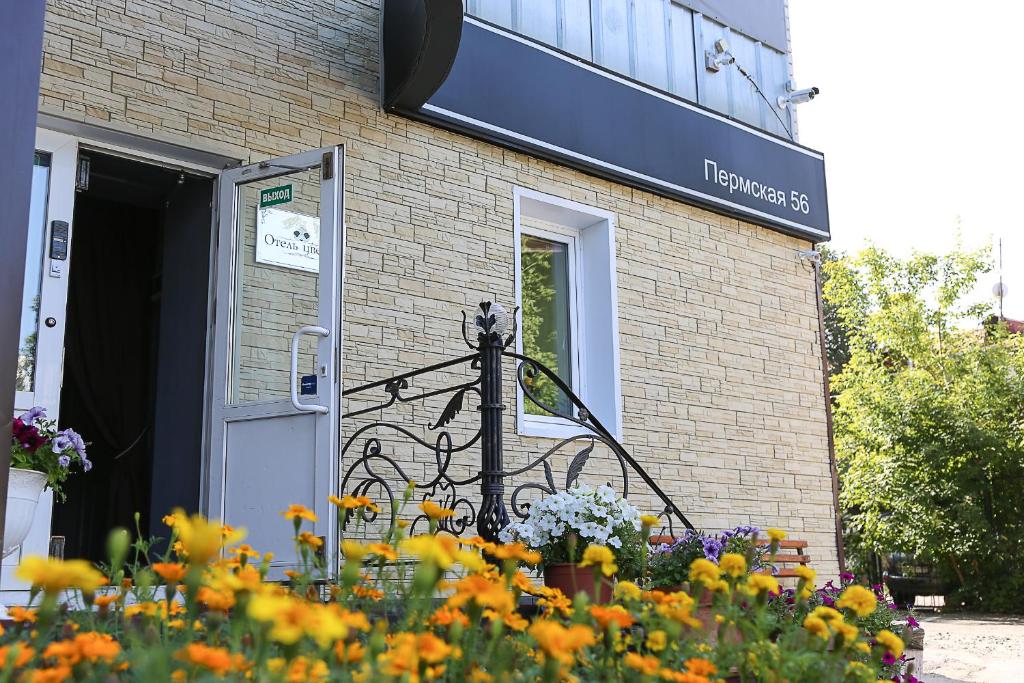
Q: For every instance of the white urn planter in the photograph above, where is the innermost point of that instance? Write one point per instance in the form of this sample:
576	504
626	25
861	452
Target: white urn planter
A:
23	490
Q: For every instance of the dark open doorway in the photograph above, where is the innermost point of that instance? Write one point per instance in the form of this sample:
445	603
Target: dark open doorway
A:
135	347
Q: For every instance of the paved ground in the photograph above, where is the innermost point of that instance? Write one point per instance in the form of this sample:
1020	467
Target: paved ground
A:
971	647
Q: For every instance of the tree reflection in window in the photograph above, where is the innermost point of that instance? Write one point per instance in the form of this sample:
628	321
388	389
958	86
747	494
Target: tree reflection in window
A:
547	335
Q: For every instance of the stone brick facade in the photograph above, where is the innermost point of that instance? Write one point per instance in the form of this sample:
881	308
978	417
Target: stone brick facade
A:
721	370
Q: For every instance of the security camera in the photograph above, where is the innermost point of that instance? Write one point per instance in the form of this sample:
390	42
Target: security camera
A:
714	61
798	97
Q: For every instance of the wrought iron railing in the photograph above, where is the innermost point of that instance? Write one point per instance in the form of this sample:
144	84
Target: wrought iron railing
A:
374	471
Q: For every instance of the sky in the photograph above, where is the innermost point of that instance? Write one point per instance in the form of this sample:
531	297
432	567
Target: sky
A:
919	118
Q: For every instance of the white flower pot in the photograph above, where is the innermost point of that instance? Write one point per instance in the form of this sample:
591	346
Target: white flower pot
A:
23	490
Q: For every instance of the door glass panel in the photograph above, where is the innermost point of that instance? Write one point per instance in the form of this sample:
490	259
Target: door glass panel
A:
33	274
546	318
276	287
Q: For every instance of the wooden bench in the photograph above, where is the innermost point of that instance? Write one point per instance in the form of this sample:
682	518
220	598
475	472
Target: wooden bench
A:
791	553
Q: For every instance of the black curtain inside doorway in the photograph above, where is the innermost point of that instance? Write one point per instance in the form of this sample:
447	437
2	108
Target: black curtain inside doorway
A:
109	376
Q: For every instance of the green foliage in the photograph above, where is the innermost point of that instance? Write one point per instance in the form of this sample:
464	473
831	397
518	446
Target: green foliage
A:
928	421
837	336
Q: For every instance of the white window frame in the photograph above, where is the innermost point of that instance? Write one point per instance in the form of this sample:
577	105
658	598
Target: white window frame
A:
589	234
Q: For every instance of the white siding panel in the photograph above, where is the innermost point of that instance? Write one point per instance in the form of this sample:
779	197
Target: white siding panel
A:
496	11
745	103
611	35
539	19
715	86
651	46
576	28
775	74
684	71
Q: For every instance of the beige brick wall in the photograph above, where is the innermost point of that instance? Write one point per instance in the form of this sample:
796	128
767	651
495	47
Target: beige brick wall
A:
721	375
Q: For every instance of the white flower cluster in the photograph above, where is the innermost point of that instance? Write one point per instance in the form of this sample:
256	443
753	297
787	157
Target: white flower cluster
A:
594	514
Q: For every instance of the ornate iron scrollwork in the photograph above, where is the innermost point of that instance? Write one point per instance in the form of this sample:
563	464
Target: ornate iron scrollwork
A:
378	475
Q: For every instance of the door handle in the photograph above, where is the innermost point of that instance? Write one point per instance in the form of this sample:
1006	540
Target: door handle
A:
293	376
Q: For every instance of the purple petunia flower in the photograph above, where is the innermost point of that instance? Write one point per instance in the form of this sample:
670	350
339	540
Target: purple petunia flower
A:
912	622
712	549
846	576
828	601
76	441
86	464
888	659
30	417
60	443
64	461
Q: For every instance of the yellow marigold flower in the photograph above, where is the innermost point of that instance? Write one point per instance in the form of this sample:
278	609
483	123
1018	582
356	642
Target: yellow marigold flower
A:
717	586
438	550
600	557
817	626
435	511
354	502
762	583
776	535
368	593
521	582
354	550
52	575
516	551
859	599
733	564
627	590
647	665
555	600
826	613
105	601
649	521
806	573
657	640
170	572
296	511
559	642
862	647
308	539
202	540
891	642
704	570
847	632
616	614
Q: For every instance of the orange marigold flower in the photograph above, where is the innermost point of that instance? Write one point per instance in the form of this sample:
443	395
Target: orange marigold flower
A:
55	674
446	616
296	511
23	655
22	615
352	653
216	659
105	601
170	572
516	551
353	503
616	614
699	666
432	649
308	539
384	550
435	511
647	665
369	593
218	601
559	642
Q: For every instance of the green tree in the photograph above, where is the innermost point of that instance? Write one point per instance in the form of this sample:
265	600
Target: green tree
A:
929	421
837	336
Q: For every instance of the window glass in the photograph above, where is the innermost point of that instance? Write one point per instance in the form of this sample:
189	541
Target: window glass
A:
546	318
29	329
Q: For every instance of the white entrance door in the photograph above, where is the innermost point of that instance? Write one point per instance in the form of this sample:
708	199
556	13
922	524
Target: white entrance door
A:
275	397
44	304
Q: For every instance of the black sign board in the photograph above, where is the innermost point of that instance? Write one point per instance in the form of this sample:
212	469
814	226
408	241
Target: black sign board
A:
508	89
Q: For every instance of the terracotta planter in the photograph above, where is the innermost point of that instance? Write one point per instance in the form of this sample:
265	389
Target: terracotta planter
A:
571	579
23	490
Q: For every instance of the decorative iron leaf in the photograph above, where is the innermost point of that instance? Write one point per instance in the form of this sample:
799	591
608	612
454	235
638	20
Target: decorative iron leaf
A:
576	466
450	410
549	476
